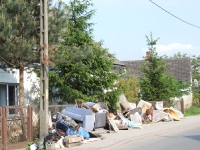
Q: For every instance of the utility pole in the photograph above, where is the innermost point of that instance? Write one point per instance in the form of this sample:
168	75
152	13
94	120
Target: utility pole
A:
44	84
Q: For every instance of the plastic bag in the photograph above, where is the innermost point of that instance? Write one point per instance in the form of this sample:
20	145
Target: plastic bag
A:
130	124
83	133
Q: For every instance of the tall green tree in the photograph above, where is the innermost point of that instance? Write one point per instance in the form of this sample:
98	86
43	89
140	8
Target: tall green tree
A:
79	31
155	85
87	71
19	34
86	74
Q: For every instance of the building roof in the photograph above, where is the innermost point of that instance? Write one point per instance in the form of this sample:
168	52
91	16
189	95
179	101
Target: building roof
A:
180	68
117	62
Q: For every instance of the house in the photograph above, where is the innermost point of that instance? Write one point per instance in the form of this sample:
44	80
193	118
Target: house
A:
180	68
9	87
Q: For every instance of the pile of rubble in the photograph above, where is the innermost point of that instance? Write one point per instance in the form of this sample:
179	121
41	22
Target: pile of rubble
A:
76	125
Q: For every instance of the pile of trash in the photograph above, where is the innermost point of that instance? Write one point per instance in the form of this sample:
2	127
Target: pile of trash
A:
76	125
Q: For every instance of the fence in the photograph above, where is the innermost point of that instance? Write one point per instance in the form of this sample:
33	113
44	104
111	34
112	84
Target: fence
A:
20	124
16	123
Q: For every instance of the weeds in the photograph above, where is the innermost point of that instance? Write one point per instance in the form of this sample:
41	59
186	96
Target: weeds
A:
192	111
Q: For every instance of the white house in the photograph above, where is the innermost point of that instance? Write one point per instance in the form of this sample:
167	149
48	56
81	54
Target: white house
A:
9	87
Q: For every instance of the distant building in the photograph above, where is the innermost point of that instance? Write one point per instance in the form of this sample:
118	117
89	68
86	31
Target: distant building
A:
180	68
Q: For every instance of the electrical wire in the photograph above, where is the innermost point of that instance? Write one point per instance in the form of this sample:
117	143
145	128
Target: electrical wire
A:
174	15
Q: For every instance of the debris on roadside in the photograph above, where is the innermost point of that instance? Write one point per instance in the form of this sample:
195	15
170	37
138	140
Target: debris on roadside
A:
79	124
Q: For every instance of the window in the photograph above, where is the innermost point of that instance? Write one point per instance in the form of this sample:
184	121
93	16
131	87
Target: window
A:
8	95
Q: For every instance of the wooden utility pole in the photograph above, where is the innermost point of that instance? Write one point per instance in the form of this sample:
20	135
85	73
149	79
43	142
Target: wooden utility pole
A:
44	84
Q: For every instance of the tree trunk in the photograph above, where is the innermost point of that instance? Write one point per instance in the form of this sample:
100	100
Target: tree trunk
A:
21	99
21	85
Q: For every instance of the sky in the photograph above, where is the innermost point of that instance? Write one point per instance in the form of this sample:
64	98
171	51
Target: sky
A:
123	25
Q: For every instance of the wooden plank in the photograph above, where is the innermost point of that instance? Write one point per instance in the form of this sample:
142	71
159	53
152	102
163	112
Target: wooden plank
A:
114	126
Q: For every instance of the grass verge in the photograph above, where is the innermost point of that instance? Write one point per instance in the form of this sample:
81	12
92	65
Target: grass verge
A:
192	111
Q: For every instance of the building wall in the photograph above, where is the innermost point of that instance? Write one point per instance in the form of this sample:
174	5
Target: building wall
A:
187	101
9	77
31	84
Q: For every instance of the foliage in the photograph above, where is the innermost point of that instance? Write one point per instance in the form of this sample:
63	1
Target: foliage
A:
195	68
19	34
156	86
129	83
79	31
87	69
193	110
196	78
84	76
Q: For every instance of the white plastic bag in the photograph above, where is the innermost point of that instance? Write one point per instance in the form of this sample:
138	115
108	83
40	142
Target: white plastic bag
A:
136	119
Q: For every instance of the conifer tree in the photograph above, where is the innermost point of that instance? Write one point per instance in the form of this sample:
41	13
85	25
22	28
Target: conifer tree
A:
155	85
19	34
87	71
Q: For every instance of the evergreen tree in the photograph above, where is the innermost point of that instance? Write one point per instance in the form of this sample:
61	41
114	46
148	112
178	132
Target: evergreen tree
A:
87	70
156	86
79	31
19	34
85	75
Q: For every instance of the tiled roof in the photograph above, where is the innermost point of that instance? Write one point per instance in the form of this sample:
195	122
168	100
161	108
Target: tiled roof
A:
117	62
179	67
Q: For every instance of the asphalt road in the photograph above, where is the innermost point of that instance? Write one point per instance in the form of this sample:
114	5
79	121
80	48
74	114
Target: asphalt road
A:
184	139
173	135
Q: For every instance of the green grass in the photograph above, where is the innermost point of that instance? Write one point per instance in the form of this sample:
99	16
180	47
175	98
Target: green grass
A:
192	111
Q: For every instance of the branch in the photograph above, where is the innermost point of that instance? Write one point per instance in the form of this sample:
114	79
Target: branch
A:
4	60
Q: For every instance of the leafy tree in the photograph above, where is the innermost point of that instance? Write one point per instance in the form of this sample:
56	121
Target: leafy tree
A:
129	83
19	34
156	86
196	68
87	69
196	78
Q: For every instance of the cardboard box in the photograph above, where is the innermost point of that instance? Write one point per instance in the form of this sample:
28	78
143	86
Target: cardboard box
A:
73	144
52	146
72	139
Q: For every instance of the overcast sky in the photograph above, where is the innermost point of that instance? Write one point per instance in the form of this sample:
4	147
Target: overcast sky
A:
123	25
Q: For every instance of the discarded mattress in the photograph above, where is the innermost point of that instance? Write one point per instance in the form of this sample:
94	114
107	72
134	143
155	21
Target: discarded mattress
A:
160	116
172	112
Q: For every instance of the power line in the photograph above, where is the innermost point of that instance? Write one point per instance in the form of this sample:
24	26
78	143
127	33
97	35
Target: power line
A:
174	15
